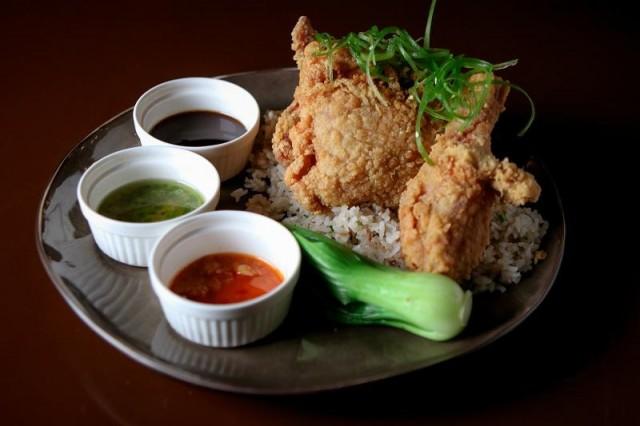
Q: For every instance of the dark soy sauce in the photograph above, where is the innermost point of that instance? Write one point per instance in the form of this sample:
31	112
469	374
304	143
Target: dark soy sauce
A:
198	128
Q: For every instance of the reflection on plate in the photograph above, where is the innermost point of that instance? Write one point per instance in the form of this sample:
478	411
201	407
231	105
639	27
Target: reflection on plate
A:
306	354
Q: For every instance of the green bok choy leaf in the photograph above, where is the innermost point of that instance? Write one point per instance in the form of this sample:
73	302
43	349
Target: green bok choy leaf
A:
429	305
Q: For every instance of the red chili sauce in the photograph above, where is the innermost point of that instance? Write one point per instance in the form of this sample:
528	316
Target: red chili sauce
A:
226	278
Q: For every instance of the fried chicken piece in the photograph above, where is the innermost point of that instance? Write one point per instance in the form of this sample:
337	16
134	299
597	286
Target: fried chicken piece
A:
446	209
339	143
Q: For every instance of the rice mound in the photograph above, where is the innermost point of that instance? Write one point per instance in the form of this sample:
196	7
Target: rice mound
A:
373	231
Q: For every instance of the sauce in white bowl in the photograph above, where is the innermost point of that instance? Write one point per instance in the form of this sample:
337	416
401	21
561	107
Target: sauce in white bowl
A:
225	231
128	241
199	94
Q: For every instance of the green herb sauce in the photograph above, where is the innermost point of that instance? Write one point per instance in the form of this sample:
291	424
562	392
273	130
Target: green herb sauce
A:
150	200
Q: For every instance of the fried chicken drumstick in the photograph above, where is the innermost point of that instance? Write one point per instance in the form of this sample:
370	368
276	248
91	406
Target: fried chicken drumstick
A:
446	209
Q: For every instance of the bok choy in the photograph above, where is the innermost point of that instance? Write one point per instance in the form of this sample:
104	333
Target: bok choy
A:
429	305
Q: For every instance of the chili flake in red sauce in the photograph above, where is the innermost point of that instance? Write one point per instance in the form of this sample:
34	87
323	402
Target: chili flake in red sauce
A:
226	278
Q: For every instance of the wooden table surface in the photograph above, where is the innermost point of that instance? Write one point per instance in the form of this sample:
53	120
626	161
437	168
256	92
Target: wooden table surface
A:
69	66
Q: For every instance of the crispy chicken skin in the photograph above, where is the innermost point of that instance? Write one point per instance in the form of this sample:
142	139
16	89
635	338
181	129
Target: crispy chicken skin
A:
338	142
445	211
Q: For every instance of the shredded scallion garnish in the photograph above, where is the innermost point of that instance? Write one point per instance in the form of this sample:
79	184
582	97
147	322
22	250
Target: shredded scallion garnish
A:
441	81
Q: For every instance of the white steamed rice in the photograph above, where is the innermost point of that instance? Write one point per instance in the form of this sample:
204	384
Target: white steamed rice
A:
373	231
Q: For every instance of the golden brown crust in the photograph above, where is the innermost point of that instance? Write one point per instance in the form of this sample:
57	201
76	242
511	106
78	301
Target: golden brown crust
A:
340	144
302	34
445	211
444	222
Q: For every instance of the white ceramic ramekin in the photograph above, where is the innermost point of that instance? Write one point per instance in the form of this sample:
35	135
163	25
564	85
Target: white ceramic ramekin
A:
129	242
202	94
233	324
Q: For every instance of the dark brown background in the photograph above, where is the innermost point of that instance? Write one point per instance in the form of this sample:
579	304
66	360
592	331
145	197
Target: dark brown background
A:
67	68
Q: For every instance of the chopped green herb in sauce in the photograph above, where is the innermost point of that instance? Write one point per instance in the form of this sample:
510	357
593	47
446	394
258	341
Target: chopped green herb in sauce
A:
150	200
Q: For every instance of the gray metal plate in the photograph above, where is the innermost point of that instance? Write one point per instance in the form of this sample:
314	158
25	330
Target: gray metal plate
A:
306	353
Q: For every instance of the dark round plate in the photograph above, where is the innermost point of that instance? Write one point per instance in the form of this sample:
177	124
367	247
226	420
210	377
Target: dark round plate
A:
305	354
